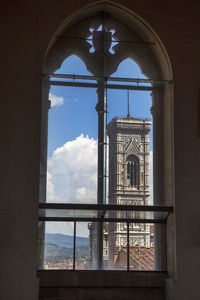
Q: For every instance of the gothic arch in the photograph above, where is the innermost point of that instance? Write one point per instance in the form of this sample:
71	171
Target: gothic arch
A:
147	49
132	162
144	47
138	42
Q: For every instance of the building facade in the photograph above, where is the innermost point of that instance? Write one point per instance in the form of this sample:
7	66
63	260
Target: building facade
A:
128	179
128	185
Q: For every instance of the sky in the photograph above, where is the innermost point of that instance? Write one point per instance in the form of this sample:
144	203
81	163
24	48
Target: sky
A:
73	133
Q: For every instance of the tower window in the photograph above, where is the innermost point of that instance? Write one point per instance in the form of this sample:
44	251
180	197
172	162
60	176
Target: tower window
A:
132	171
131	174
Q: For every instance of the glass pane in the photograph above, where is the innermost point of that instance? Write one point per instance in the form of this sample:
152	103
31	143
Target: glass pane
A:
129	123
58	247
130	149
116	237
76	214
83	241
72	146
72	140
110	250
139	215
129	134
141	246
71	213
73	65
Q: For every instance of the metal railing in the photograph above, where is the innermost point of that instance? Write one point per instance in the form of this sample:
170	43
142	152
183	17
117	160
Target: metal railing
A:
59	212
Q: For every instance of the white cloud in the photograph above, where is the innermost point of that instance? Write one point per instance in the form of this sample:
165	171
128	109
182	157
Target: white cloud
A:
72	172
55	100
60	227
72	178
68	228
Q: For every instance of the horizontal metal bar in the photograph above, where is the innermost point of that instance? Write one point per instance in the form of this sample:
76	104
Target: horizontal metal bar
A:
120	79
75	206
41	272
113	41
94	286
108	86
101	220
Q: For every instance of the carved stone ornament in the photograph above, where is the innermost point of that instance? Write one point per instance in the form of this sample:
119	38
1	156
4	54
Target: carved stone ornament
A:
102	42
132	147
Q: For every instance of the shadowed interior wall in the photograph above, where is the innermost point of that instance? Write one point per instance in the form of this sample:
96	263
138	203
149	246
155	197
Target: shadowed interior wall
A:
27	29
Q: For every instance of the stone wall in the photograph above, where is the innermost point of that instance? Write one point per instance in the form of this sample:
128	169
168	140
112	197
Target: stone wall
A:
26	33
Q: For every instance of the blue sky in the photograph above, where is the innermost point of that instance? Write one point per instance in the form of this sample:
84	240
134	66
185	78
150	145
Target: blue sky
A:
72	136
77	114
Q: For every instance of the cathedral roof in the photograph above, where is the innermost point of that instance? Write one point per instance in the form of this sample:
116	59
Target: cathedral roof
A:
140	257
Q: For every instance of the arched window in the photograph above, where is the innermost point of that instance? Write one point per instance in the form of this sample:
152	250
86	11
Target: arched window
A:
102	39
132	171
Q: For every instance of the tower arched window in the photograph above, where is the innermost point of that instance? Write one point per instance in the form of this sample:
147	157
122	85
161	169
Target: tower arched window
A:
132	171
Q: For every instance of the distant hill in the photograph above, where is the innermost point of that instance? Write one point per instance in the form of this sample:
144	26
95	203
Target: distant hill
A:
52	250
54	253
62	240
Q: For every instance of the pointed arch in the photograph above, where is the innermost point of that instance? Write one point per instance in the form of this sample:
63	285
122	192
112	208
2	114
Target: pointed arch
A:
132	170
138	41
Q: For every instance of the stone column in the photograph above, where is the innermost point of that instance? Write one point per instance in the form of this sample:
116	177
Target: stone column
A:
158	196
43	168
101	110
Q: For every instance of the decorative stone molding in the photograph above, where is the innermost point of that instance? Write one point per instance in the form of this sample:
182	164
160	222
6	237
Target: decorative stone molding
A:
101	49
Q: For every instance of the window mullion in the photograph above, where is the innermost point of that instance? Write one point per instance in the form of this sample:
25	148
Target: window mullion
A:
102	149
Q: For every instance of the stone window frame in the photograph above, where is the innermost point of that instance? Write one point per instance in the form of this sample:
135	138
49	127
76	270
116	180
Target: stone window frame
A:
154	62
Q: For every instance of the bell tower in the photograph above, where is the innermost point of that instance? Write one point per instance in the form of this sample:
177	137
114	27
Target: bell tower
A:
128	178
